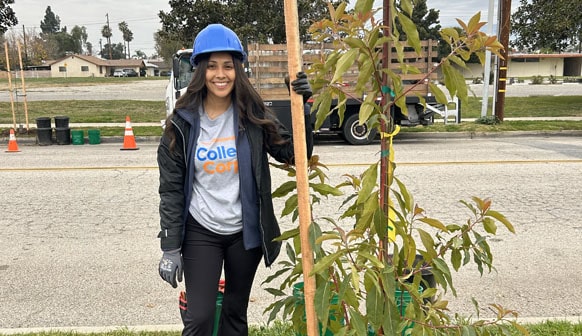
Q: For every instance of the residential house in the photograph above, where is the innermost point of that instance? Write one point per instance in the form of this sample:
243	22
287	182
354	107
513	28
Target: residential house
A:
529	65
90	66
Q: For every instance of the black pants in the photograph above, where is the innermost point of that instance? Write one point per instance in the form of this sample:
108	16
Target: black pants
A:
204	253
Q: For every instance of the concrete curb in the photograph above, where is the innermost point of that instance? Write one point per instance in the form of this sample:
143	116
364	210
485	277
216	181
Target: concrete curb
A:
178	327
31	141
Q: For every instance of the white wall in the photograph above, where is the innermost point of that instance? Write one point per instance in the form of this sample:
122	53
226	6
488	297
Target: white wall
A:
74	66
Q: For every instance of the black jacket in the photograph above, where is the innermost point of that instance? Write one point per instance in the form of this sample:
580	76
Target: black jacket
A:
176	177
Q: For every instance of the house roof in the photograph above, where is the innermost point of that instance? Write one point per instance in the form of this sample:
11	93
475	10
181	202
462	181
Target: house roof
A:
567	55
102	62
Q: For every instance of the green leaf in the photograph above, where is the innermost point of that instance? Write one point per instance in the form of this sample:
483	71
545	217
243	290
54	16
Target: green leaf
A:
406	197
288	234
326	262
374	305
323	108
434	223
366	110
501	218
363	6
439	94
340	10
458	61
456	259
285	189
373	259
407	6
353	42
489	225
428	242
344	63
367	69
325	189
290	205
409	28
369	180
358	322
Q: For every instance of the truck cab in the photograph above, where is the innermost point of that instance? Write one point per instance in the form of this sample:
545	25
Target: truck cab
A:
180	77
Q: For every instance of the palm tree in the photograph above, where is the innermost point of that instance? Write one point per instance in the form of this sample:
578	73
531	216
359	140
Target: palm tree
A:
106	32
127	35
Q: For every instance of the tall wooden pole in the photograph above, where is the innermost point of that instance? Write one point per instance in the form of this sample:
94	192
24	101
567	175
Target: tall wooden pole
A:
388	124
23	87
503	62
294	61
10	85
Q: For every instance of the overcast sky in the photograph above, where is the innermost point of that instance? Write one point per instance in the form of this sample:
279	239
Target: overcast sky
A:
142	16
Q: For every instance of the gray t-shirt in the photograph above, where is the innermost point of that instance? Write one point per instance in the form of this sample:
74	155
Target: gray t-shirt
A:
216	201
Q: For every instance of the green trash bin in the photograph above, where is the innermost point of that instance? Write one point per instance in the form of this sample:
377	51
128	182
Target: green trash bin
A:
334	315
402	298
94	136
78	137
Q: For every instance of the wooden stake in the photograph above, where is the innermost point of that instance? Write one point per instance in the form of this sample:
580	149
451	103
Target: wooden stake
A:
294	61
23	87
10	85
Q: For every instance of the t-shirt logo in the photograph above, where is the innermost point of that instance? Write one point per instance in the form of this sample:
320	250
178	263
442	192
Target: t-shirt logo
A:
217	158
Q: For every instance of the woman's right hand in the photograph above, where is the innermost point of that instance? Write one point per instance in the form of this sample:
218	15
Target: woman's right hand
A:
170	267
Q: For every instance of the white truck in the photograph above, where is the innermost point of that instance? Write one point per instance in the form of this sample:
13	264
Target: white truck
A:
268	65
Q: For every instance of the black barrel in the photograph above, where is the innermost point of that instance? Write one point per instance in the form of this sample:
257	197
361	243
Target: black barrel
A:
43	122
63	136
61	122
44	136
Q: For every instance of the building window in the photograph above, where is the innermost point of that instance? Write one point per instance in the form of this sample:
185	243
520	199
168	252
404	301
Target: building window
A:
84	68
62	69
525	60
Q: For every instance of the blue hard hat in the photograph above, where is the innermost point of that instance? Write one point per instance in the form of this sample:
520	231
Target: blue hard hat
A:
216	38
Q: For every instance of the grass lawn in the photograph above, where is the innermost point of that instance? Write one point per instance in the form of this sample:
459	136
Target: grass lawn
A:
284	329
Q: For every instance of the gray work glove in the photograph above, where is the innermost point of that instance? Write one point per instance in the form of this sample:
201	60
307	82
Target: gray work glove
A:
171	267
301	86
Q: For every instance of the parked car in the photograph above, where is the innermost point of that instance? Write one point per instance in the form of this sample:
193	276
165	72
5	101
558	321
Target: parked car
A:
130	73
119	73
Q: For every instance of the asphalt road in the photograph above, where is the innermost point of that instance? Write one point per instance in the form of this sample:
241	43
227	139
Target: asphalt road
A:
79	227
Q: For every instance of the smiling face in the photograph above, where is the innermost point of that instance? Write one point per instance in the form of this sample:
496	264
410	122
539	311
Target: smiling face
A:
220	75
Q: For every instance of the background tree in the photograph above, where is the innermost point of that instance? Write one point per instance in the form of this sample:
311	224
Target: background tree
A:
427	21
106	32
547	26
51	23
140	54
117	51
79	35
166	45
7	16
260	20
127	35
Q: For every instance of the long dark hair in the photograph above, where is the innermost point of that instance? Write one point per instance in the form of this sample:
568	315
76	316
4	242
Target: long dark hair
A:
250	105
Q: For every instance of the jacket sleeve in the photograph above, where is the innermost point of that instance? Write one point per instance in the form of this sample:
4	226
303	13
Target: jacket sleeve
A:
284	153
172	176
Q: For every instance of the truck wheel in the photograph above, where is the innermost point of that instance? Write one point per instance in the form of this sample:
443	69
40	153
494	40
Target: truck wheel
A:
356	134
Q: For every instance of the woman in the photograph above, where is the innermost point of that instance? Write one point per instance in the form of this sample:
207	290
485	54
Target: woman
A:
215	187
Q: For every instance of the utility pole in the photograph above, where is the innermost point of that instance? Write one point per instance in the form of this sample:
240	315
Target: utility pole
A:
25	49
109	37
505	15
487	70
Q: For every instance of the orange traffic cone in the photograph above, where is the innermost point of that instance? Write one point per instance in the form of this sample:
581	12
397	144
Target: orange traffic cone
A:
129	138
12	145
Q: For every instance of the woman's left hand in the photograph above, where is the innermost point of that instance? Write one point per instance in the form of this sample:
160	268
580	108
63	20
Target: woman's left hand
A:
301	86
